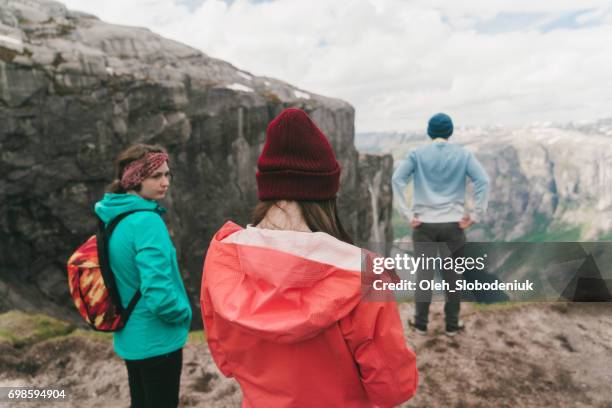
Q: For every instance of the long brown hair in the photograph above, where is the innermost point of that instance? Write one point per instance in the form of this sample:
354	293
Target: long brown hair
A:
320	216
127	156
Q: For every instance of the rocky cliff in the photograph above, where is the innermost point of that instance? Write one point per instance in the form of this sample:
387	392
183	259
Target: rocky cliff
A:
548	181
74	91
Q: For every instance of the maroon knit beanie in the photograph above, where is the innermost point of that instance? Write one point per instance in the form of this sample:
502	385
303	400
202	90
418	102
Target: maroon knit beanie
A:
297	161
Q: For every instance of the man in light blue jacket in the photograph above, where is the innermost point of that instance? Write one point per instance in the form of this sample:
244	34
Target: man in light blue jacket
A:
438	215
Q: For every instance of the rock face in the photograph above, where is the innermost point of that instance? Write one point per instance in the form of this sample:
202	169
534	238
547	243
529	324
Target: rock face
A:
548	182
74	91
373	221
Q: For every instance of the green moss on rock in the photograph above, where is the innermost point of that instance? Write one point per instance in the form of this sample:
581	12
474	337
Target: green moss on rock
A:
22	329
7	55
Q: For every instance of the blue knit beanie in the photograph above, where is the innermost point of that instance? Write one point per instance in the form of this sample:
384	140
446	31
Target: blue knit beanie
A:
440	125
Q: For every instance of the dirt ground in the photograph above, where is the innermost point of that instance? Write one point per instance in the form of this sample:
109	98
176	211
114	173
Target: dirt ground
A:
530	355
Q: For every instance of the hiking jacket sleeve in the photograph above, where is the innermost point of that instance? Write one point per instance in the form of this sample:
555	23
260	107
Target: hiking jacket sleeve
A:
155	261
479	177
399	182
387	367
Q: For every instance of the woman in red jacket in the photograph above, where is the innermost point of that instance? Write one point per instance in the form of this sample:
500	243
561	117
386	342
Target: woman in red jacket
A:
281	299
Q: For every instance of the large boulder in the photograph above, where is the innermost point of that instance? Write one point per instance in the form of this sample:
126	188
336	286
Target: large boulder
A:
75	91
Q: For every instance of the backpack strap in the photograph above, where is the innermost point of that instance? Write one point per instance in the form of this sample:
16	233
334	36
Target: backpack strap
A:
103	237
125	313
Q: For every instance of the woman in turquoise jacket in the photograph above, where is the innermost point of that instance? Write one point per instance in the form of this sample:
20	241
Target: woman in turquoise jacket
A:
143	257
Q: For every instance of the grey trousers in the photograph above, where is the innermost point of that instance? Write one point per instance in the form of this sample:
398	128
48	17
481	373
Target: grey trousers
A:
438	240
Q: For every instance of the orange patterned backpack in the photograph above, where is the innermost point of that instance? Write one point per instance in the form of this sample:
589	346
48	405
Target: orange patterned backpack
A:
92	283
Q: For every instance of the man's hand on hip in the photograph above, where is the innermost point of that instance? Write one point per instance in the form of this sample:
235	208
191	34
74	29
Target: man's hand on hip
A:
466	222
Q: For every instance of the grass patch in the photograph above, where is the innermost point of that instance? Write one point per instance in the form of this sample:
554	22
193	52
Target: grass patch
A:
22	329
196	337
606	237
543	231
401	227
92	334
539	227
562	235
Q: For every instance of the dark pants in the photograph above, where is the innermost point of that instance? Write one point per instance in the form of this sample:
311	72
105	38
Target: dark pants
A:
438	240
155	381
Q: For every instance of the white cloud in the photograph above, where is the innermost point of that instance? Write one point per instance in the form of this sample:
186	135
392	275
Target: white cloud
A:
399	62
593	15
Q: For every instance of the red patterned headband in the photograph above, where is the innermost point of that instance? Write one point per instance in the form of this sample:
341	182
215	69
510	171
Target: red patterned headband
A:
138	170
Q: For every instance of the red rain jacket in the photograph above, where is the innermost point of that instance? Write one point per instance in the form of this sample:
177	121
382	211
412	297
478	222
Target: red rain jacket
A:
284	316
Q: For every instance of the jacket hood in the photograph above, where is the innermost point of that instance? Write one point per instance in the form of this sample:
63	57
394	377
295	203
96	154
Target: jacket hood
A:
113	205
283	286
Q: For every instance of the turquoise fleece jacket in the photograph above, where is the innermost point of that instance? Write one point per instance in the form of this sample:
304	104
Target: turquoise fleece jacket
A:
143	256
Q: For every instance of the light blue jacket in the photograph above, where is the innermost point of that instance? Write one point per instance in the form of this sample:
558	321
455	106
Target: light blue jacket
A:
440	169
143	256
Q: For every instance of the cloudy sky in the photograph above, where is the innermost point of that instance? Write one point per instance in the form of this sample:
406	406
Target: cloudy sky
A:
400	61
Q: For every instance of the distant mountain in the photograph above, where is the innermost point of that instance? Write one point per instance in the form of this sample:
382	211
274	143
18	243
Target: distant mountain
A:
549	182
